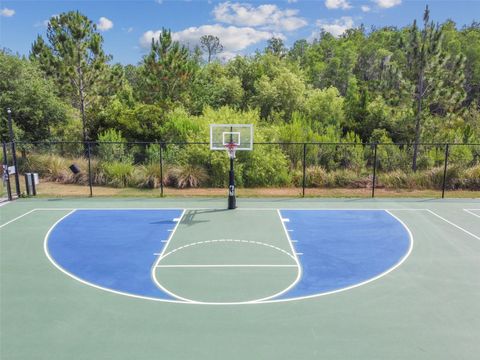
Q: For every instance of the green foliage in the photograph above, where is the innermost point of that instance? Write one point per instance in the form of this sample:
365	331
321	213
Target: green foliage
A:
36	110
118	174
386	85
266	167
166	71
74	58
325	108
214	88
112	147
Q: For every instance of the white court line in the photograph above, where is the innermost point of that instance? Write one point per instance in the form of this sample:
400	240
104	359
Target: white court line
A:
18	217
470	211
3	203
160	257
45	248
192	301
204	303
453	224
225	265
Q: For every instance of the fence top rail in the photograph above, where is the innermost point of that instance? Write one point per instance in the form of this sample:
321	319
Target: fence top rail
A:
164	143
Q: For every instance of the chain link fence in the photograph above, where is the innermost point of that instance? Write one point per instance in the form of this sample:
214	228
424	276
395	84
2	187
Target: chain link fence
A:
271	169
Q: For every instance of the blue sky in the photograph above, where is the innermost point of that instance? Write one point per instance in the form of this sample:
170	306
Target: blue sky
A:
127	26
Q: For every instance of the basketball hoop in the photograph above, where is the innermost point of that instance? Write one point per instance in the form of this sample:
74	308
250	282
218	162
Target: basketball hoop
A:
231	148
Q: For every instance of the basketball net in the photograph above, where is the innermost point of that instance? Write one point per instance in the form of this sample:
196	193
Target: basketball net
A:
231	148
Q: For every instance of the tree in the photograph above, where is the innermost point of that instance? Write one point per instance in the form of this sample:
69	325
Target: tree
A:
166	71
211	44
35	106
437	81
75	58
276	47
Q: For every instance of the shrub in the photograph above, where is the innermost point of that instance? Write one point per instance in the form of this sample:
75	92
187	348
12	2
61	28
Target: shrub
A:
118	174
471	178
188	176
315	176
266	167
148	176
395	179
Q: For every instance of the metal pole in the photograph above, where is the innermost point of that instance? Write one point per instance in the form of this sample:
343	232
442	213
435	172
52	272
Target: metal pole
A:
232	202
161	170
304	182
14	151
5	171
90	182
445	171
374	169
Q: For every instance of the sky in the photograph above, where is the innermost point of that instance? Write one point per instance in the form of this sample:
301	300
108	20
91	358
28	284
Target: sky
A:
128	26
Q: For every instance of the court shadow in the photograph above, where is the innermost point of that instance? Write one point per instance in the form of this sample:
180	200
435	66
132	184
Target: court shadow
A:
189	217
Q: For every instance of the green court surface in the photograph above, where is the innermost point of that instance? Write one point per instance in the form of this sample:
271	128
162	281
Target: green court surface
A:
224	277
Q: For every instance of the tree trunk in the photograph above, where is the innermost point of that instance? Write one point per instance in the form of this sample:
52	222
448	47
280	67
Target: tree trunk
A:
418	119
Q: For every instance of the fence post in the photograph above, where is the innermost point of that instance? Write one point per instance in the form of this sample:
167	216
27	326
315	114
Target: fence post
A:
444	183
304	169
14	151
90	182
5	171
374	169
161	170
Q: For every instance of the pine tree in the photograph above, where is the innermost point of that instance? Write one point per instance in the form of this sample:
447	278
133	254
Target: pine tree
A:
75	58
436	80
167	70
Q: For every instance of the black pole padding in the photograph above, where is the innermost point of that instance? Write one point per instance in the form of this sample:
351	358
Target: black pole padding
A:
304	182
14	151
90	181
232	201
161	169
34	189
444	183
6	175
374	178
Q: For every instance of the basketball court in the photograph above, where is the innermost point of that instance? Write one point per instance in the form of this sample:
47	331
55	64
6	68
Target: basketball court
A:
272	279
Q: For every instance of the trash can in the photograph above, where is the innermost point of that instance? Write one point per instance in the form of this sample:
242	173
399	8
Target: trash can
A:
31	182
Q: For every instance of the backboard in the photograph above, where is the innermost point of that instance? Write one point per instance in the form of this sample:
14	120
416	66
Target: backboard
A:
221	135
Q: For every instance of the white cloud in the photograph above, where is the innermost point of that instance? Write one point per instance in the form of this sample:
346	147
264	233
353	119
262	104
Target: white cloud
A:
337	4
232	38
266	16
336	27
104	24
387	3
7	12
365	8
